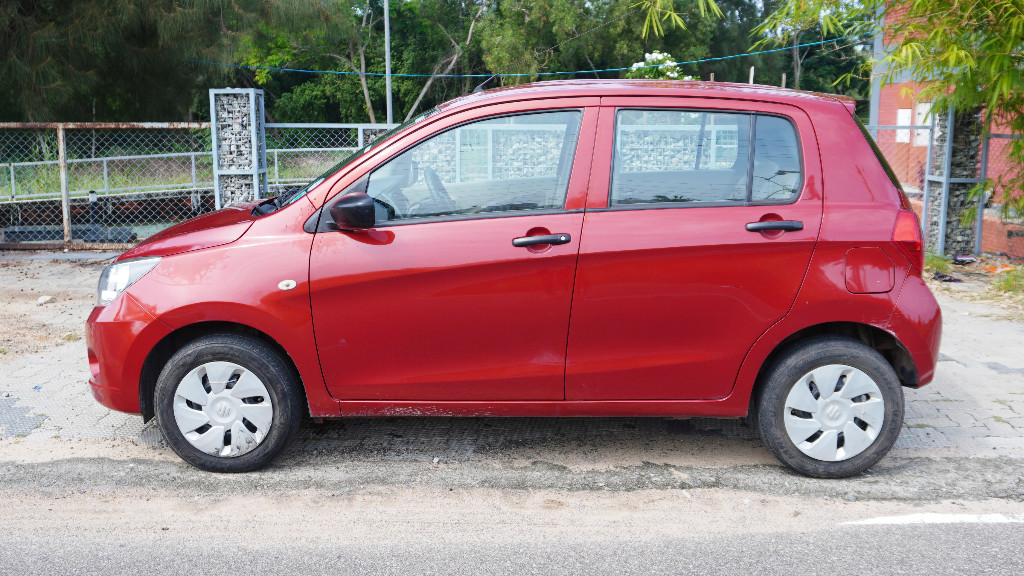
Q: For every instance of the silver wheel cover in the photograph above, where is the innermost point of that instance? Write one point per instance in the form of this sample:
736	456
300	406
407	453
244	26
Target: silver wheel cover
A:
834	413
223	409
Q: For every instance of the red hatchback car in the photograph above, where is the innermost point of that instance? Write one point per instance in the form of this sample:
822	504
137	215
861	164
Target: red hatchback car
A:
582	248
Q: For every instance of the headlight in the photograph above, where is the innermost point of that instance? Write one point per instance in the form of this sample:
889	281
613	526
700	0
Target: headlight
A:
117	277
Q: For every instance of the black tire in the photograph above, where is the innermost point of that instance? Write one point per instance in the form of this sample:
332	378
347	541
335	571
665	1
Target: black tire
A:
263	361
791	367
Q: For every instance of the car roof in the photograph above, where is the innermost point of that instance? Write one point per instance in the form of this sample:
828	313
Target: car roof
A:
677	88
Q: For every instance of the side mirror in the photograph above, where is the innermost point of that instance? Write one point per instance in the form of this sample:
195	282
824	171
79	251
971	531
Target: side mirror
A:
354	211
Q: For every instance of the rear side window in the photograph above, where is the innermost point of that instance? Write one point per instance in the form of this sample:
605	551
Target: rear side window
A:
680	156
704	158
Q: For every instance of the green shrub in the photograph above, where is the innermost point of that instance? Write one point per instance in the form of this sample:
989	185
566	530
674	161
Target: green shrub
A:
937	262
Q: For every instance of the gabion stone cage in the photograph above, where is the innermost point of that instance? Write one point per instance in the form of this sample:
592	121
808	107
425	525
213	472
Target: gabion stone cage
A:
239	146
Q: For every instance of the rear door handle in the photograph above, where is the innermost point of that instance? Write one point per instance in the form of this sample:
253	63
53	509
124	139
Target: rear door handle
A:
545	239
784	225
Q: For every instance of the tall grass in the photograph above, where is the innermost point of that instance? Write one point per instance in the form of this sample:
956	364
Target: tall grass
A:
937	262
1011	282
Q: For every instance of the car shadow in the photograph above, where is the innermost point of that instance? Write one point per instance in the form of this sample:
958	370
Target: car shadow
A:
601	441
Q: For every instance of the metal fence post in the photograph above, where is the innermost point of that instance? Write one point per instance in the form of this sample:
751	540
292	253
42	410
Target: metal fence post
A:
13	194
948	165
458	155
215	155
490	153
925	214
982	198
62	168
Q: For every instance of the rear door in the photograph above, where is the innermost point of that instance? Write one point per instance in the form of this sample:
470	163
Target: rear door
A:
451	296
698	244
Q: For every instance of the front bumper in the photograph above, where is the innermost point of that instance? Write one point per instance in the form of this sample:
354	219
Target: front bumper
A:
119	337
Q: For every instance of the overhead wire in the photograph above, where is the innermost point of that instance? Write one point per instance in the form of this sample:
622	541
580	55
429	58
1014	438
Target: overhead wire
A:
520	74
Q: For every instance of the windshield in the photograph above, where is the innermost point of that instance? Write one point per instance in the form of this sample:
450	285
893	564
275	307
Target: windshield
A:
290	197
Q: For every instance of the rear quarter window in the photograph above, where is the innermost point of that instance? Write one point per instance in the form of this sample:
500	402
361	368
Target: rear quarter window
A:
777	175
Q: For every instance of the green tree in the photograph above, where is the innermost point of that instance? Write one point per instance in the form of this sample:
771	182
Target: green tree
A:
529	37
125	59
429	38
967	53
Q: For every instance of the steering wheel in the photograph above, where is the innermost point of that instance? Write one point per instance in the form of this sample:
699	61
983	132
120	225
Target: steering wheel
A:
437	192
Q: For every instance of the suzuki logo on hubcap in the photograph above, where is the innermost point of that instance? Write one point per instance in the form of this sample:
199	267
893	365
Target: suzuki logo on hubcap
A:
833	412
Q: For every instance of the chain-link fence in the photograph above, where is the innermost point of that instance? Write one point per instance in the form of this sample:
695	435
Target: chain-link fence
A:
906	148
996	234
120	183
101	183
298	153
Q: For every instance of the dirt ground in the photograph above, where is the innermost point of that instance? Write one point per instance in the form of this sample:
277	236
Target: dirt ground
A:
978	284
27	325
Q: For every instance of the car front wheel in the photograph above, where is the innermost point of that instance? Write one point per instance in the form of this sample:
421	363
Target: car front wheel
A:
227	403
830	407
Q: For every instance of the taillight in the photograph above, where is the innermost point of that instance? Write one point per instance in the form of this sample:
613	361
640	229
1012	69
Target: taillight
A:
907	236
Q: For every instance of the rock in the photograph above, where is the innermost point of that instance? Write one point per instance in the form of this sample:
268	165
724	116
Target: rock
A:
851	497
44	300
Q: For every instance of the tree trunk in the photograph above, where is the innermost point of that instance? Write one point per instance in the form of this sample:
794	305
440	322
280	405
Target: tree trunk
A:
796	62
452	59
366	88
966	141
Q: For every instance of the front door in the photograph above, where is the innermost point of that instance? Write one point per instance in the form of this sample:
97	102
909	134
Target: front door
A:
452	296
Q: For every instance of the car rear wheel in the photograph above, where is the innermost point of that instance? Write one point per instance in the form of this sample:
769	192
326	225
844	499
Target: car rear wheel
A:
227	403
830	407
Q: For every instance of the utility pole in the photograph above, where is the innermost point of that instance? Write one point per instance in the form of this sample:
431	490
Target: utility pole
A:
387	58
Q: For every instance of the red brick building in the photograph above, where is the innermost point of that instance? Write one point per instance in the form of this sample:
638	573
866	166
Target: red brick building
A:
899	104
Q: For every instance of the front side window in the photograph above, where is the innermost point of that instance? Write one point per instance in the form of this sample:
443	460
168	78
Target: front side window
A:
498	165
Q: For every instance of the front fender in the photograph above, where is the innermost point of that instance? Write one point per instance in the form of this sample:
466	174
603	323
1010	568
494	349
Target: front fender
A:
244	283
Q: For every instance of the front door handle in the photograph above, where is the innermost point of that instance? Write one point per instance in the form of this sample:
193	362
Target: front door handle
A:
545	239
784	225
